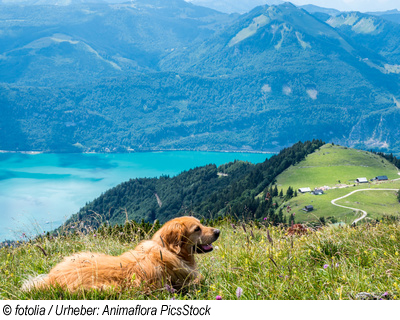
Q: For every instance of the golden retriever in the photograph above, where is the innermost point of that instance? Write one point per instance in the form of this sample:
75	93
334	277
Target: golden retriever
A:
168	258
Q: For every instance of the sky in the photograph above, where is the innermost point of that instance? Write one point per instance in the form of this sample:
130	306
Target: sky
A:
353	5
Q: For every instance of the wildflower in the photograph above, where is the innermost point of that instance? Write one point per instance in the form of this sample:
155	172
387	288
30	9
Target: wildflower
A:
169	288
337	265
239	292
326	266
218	298
94	235
265	218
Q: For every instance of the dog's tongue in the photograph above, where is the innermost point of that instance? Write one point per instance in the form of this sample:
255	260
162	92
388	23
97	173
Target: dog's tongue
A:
206	247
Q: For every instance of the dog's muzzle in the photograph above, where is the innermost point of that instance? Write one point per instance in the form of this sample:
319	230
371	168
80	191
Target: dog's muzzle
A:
204	248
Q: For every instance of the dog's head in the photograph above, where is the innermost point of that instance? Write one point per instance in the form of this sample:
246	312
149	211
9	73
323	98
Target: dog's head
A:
186	235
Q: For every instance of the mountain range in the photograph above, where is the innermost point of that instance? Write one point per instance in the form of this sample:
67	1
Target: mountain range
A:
156	75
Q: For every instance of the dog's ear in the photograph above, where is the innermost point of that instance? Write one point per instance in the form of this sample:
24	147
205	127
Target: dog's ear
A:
172	236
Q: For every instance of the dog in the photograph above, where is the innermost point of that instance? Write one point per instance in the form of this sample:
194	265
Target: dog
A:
168	258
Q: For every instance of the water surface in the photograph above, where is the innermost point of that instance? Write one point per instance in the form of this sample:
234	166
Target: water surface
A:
39	192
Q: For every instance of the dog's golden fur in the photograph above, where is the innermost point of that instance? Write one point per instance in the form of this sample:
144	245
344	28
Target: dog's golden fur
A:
168	258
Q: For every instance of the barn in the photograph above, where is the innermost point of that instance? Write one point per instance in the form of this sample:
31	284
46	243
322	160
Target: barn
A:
381	178
304	190
362	180
308	208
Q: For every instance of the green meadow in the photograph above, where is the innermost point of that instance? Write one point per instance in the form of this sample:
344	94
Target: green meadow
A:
334	165
331	263
338	167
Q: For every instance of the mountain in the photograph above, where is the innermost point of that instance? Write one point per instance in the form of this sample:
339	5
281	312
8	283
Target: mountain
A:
316	9
157	75
390	15
63	45
379	36
291	54
229	6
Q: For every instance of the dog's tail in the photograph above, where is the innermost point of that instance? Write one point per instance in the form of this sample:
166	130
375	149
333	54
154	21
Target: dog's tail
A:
35	282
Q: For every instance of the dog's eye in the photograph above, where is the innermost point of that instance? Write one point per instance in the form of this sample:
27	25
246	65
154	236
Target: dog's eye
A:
197	229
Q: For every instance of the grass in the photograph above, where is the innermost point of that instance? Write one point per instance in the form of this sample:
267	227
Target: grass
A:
332	263
376	203
331	164
336	166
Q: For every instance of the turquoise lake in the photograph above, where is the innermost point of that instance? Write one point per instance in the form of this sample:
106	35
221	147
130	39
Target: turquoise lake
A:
39	192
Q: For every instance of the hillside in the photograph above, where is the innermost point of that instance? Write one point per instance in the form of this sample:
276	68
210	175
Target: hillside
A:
334	165
335	169
208	191
110	77
330	264
262	192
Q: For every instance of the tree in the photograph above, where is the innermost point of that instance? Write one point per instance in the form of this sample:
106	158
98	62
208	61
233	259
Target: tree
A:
275	191
289	193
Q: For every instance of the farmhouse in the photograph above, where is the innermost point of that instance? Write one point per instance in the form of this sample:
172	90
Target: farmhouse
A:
308	208
304	190
381	178
362	180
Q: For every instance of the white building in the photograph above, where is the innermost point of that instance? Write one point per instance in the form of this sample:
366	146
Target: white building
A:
304	190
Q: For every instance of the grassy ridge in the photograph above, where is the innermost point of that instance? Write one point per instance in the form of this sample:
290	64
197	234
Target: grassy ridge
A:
338	167
332	263
331	164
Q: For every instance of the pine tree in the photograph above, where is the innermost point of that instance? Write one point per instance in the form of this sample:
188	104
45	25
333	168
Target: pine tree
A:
289	192
275	191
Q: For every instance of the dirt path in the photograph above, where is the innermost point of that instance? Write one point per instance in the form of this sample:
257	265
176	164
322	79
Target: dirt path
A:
355	209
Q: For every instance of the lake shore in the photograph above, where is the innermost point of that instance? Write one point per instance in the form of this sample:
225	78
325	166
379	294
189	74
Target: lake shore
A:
142	151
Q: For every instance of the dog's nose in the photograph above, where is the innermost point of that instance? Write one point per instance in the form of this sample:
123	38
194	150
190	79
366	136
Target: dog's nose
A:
216	233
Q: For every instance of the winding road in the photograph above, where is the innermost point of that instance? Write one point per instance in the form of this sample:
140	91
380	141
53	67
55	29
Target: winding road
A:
363	211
